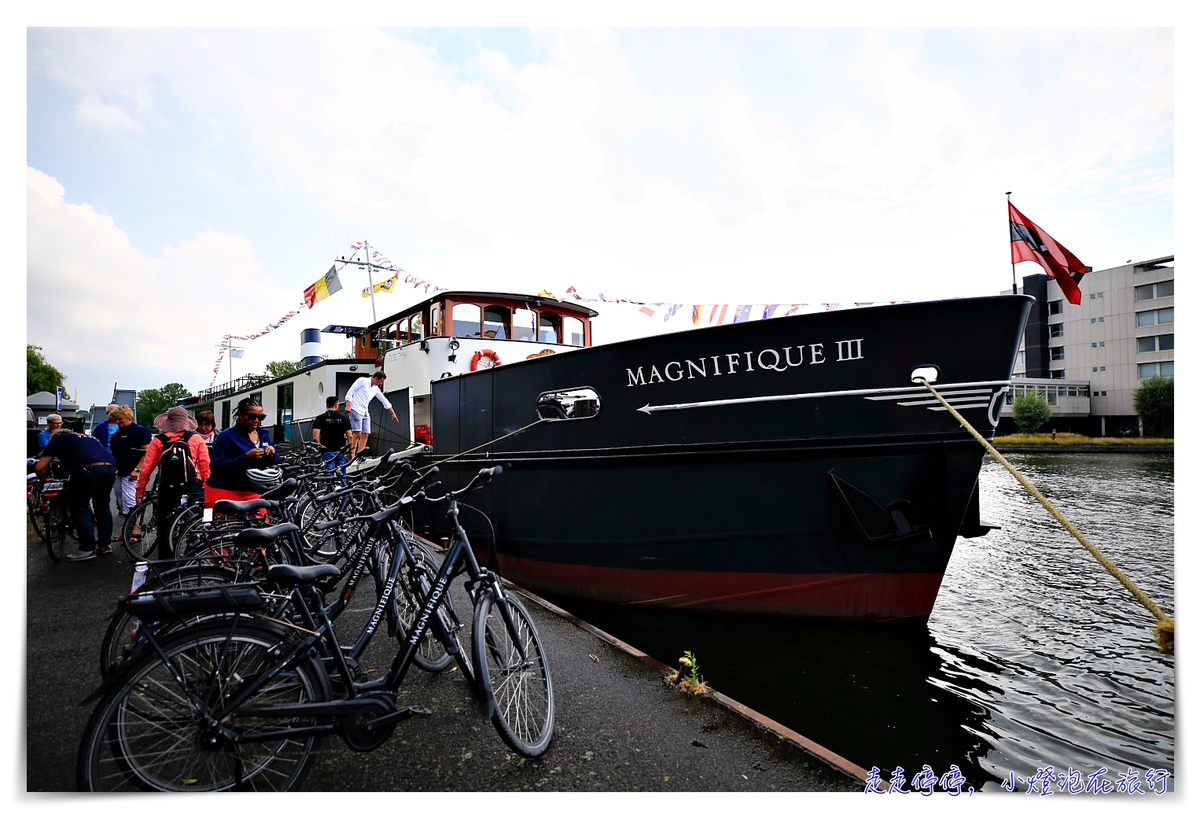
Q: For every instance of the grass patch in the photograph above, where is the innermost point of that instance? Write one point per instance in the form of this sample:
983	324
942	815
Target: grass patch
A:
1072	439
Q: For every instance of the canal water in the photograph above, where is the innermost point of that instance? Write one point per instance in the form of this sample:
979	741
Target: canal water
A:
1034	655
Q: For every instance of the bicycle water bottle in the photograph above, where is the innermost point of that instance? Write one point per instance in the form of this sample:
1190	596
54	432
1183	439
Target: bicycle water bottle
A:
139	577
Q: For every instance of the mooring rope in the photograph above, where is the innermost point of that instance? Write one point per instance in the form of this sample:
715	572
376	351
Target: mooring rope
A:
1164	630
484	445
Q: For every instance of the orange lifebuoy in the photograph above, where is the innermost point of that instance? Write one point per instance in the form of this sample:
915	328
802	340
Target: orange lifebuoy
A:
484	353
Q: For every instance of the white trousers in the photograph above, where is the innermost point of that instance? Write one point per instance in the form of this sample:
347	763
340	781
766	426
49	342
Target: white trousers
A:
126	490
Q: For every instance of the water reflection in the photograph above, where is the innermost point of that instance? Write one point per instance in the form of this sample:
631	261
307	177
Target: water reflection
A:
1034	655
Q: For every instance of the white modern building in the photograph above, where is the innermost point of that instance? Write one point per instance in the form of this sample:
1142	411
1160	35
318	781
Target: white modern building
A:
1122	332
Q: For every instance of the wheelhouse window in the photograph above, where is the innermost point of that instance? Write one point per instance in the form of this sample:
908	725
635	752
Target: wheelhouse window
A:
495	323
523	324
549	325
572	331
466	320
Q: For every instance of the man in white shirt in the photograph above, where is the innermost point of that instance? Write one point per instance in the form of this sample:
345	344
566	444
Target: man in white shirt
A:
358	400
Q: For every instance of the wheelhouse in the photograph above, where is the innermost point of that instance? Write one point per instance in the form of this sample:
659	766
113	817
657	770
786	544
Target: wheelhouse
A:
480	315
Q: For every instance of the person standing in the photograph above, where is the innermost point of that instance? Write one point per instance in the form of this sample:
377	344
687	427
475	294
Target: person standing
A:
206	427
240	448
53	424
128	445
331	429
181	457
93	470
358	402
104	431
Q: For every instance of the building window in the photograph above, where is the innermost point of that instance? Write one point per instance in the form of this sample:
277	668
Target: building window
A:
1143	293
1151	317
1100	294
1058	353
1103	368
1095	369
1156	342
1148	370
1056	307
1059	375
1167	369
1101	343
1056	330
1166	288
1101	319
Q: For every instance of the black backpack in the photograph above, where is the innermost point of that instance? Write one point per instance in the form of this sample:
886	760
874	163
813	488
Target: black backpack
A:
176	468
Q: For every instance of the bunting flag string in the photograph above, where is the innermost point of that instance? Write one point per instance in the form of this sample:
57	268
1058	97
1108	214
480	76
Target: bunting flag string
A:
274	325
716	314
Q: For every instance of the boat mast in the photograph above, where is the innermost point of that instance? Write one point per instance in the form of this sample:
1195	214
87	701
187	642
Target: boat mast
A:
1008	197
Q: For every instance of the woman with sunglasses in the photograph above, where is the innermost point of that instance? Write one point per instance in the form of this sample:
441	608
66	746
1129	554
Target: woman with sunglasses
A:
242	447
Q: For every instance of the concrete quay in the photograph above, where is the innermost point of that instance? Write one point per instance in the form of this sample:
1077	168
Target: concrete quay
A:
619	728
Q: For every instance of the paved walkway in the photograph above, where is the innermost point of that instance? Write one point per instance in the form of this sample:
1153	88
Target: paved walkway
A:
618	727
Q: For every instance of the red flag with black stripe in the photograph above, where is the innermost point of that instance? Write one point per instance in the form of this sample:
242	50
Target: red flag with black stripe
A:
1032	243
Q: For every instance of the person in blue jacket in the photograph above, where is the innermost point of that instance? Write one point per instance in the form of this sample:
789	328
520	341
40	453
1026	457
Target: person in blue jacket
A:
245	445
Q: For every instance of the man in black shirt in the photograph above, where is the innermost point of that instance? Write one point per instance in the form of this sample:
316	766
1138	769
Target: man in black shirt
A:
330	429
93	472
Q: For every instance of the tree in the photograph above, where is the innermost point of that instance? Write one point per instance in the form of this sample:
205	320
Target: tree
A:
1030	412
153	402
1154	401
277	369
40	376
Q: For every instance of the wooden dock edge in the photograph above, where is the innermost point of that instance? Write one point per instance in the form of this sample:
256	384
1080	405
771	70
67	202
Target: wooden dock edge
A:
786	733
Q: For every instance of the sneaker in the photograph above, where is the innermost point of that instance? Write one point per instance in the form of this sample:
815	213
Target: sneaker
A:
80	556
103	550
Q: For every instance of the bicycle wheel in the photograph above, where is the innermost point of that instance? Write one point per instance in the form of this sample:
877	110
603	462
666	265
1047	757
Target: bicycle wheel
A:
120	637
148	734
412	586
524	697
37	517
323	546
139	535
186	518
57	525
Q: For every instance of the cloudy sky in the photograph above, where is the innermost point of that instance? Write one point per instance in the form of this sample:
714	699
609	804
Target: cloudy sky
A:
185	183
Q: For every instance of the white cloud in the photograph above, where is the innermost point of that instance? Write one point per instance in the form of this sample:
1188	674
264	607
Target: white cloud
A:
103	311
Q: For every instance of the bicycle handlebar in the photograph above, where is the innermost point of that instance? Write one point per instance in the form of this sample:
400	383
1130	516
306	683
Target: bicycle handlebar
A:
477	482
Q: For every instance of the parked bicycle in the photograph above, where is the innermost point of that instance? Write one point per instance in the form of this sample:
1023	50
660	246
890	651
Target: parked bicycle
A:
241	701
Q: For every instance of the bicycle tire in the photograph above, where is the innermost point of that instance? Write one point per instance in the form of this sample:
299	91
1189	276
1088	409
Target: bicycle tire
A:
146	733
57	524
143	520
323	546
117	644
407	599
522	693
184	518
36	515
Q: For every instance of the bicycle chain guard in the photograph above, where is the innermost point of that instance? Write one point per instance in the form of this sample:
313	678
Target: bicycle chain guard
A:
358	732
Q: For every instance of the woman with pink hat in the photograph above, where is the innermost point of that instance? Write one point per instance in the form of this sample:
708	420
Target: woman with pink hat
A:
181	457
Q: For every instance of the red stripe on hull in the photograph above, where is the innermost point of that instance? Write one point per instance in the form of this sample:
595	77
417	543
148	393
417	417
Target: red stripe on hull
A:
813	596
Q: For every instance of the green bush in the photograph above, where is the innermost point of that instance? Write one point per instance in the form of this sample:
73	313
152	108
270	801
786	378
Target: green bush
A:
1154	401
1030	412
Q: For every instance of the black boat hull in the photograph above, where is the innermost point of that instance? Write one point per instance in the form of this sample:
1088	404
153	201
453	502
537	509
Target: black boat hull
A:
786	467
